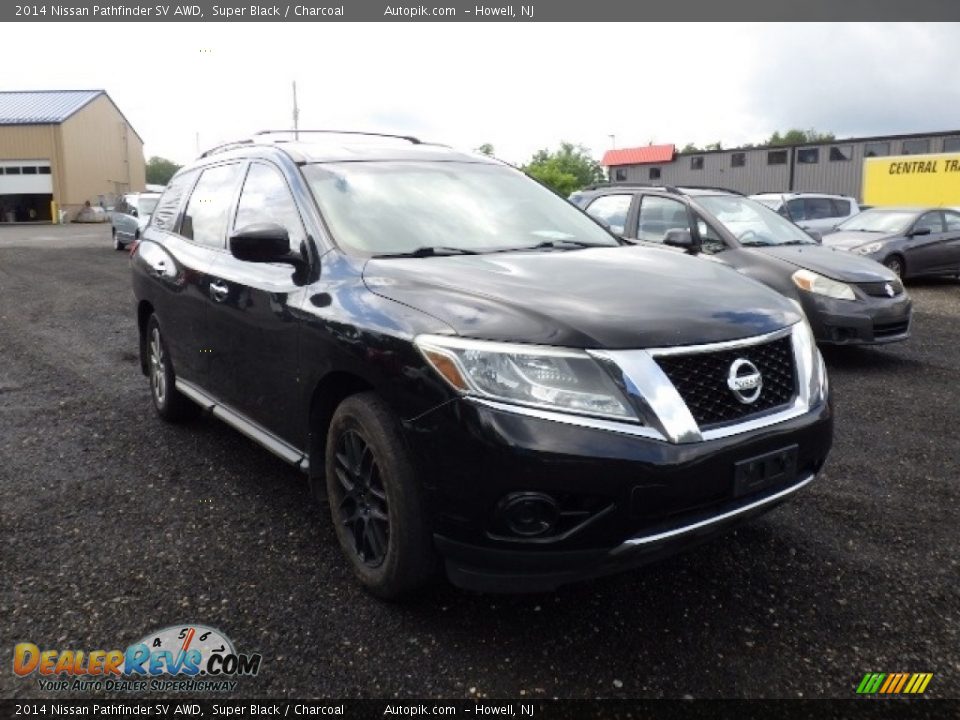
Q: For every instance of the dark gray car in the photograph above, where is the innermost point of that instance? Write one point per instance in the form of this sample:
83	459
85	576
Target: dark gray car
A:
911	241
847	299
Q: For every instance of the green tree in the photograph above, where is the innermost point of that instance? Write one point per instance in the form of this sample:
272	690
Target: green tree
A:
160	170
713	146
569	168
485	149
794	136
691	148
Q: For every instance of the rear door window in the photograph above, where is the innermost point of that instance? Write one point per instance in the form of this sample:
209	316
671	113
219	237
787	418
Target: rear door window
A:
205	219
953	220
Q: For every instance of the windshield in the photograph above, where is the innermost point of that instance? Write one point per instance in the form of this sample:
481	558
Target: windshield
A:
879	221
145	206
400	207
753	223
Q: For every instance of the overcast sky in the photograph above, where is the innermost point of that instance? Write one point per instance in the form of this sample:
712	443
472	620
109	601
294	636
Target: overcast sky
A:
517	86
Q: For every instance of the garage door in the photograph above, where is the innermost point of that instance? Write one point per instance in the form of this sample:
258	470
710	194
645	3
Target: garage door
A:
25	177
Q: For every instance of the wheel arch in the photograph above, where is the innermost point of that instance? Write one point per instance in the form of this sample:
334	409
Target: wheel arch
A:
144	311
330	391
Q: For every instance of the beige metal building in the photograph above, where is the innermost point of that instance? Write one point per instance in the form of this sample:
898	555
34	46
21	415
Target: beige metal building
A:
69	147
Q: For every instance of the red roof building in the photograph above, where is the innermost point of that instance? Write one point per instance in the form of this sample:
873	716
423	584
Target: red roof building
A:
639	155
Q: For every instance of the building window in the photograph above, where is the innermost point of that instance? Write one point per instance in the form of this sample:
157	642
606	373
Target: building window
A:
916	147
12	171
738	160
696	163
841	153
777	157
44	169
951	144
619	175
29	169
876	149
808	156
654	173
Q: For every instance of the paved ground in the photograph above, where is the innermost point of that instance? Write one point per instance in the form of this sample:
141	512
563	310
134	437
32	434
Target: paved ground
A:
114	524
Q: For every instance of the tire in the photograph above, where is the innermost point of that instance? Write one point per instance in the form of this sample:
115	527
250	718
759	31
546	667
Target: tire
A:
117	245
376	501
895	263
170	403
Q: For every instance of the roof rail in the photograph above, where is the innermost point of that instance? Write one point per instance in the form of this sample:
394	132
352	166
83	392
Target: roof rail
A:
681	188
222	147
409	138
626	184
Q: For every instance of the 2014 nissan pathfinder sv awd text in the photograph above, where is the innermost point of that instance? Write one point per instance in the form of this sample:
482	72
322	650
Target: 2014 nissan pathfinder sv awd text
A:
477	376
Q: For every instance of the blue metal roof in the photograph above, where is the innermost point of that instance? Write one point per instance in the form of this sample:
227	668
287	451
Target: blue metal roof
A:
42	107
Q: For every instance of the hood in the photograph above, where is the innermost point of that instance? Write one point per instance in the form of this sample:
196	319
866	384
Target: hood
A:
616	298
845	240
832	262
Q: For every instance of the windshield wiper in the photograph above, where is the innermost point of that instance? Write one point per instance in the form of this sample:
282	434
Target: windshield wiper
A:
428	251
757	243
554	245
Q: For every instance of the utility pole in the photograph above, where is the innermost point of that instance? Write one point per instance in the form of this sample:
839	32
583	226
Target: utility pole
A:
613	141
296	113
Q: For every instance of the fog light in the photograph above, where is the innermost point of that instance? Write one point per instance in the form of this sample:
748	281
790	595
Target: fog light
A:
528	514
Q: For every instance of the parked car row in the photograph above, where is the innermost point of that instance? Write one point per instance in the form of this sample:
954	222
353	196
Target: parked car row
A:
478	378
847	299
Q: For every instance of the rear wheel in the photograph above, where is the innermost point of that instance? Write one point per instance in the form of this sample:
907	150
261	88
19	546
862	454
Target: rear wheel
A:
117	245
895	263
169	402
376	502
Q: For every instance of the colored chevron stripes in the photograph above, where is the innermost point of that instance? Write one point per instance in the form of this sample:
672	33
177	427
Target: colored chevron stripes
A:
894	683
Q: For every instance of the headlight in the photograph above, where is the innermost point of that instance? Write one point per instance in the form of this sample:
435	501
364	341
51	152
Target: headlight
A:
812	282
810	365
553	378
868	249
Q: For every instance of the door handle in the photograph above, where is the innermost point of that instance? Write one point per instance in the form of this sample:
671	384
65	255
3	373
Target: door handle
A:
219	290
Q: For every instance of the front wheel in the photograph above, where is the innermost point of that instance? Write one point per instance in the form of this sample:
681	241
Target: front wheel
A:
117	245
895	263
376	501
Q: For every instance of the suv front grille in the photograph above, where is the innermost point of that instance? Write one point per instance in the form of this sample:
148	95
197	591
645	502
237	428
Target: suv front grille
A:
701	380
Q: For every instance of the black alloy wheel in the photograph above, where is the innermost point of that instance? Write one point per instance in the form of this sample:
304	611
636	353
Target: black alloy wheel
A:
362	505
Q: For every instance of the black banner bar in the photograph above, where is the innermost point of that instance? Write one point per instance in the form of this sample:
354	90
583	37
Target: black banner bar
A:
474	10
180	708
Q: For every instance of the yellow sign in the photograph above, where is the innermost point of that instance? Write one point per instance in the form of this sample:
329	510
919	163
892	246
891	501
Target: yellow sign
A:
912	180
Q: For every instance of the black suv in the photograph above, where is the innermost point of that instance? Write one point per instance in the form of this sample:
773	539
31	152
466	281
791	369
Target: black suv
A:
475	374
848	299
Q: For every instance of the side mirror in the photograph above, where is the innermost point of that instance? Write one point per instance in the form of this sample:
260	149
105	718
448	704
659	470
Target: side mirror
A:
680	238
816	235
919	231
262	243
133	212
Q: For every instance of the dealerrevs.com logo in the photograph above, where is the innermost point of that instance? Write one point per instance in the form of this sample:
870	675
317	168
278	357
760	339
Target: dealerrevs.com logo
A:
187	658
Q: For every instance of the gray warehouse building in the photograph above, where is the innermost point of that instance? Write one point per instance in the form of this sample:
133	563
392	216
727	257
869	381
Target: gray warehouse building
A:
834	167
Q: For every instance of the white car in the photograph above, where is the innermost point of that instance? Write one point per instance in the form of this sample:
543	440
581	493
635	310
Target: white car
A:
130	217
811	211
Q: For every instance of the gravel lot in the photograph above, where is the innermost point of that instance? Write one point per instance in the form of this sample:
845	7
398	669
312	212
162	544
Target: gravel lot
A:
114	524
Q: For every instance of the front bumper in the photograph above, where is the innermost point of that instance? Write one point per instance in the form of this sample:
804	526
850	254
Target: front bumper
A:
869	320
632	499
